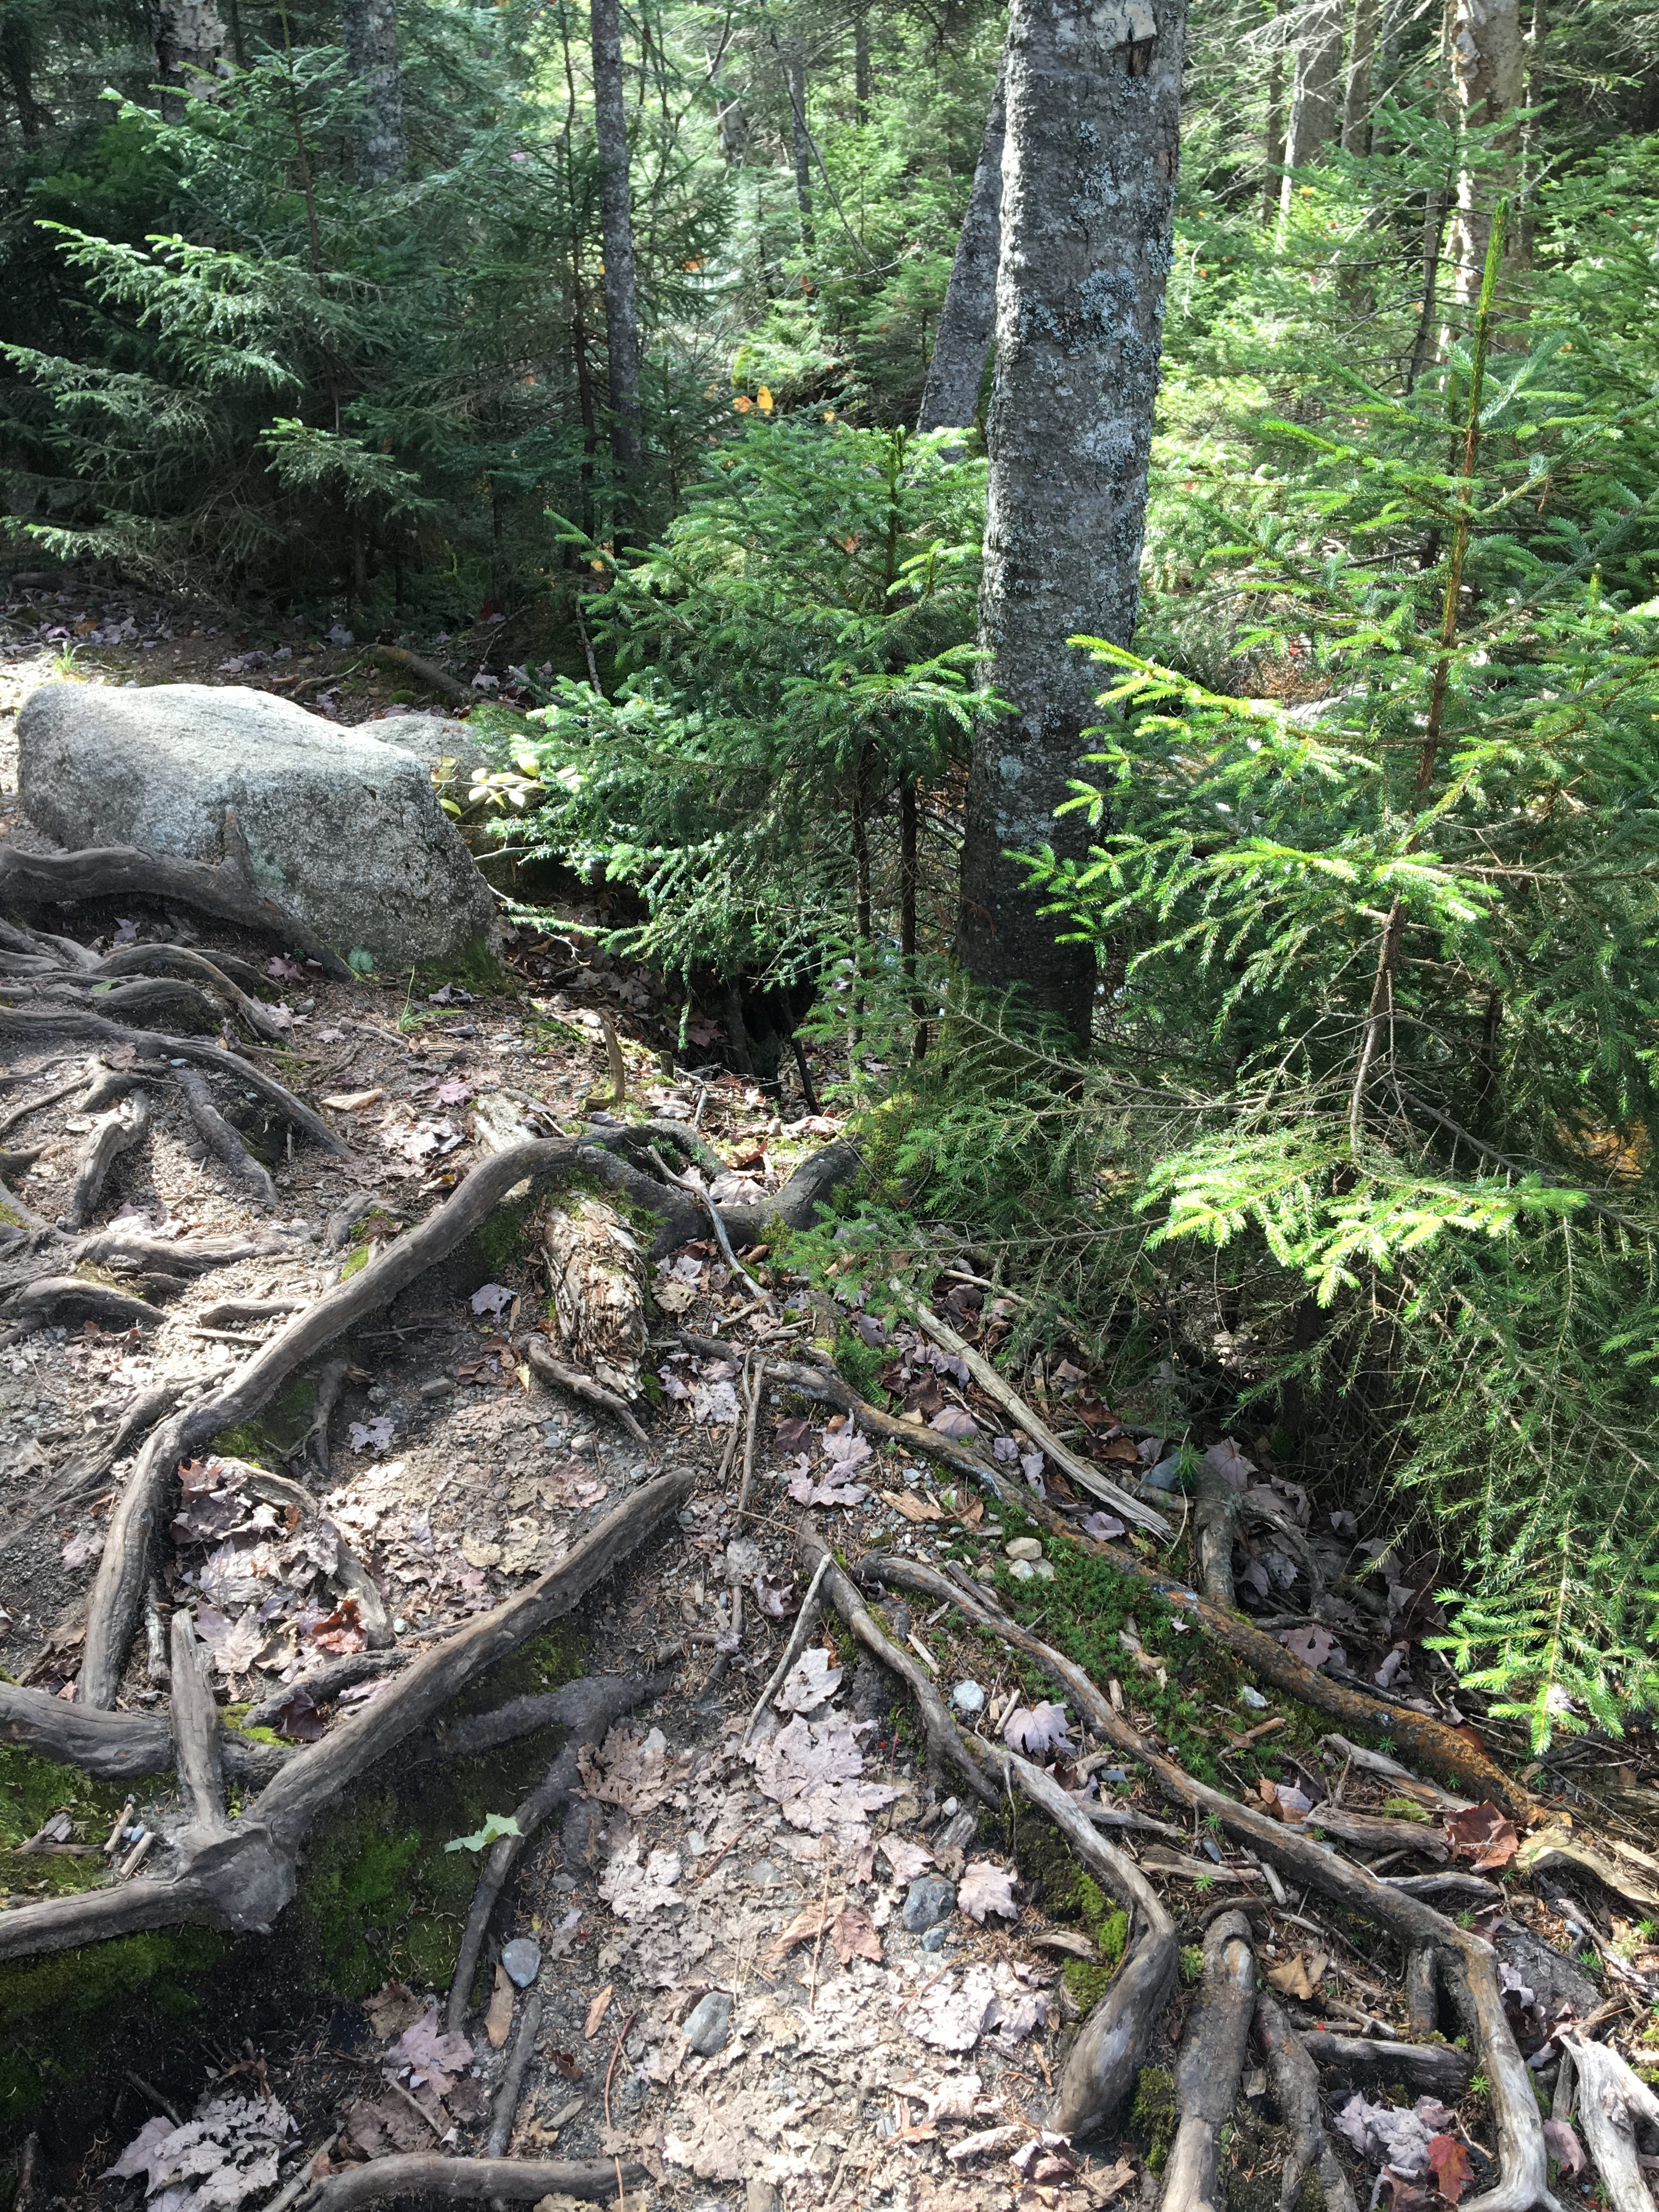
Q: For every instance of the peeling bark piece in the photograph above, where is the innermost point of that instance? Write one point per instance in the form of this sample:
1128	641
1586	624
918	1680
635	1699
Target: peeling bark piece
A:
1612	2099
597	1276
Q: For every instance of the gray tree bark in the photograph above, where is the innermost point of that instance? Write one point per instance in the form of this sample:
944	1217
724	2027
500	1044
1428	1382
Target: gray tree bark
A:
1273	183
189	40
1091	145
378	152
969	315
1487	72
622	314
1314	94
861	66
1357	92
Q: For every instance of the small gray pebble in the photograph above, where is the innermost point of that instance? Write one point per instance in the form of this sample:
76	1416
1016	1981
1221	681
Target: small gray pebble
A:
968	1697
710	2023
958	1834
523	1960
934	1940
928	1902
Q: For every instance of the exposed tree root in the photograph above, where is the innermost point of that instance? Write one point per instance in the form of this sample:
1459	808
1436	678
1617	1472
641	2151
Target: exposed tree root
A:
42	1023
116	1131
603	1700
52	1301
227	892
945	1743
1296	2088
405	663
1612	2099
1210	2064
115	1746
1468	1963
465	2180
238	1875
221	1140
1435	2069
546	1363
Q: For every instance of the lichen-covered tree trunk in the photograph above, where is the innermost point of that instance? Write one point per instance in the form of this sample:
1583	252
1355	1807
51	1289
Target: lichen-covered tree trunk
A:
1487	69
969	315
1315	91
622	314
189	40
378	152
1090	152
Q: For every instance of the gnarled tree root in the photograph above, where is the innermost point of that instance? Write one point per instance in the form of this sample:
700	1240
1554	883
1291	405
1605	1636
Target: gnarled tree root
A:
115	1133
1296	2088
425	2174
607	1698
117	1591
238	1875
545	1362
1432	2069
221	1140
1468	1963
228	893
1612	2099
1210	2064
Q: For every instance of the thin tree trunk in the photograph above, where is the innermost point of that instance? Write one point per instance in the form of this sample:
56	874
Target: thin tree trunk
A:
17	58
189	40
951	397
1526	231
1486	73
1272	181
730	122
1088	168
378	152
1314	93
622	326
909	826
1357	92
801	146
861	66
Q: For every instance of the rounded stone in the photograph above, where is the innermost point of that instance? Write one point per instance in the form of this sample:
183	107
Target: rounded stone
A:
1023	1547
1043	1570
928	1902
934	1940
968	1697
709	2024
1022	1571
523	1960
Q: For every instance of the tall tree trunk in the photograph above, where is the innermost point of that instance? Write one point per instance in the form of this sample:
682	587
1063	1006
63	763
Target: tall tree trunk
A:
1357	92
861	66
622	322
378	152
1272	182
801	146
969	315
1486	70
1093	97
1314	94
730	122
1525	232
17	59
189	40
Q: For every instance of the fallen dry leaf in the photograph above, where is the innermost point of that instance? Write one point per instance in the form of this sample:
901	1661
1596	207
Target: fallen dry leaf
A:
1482	1835
498	2018
597	2011
854	1935
392	2007
985	1888
808	1924
1299	1977
1448	2162
353	1102
912	1505
1561	2139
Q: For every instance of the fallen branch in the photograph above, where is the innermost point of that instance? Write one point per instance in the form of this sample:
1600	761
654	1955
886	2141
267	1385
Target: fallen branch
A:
792	1650
518	2058
706	1201
1296	2088
1436	2069
1211	2062
1081	1472
436	679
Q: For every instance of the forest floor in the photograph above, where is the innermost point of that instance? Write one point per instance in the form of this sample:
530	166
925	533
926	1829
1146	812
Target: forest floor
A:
905	1969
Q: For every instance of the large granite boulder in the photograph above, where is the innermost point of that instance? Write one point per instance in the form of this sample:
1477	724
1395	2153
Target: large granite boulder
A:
343	829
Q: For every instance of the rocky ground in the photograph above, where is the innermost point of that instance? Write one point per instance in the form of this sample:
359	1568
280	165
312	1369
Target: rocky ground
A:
779	1960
